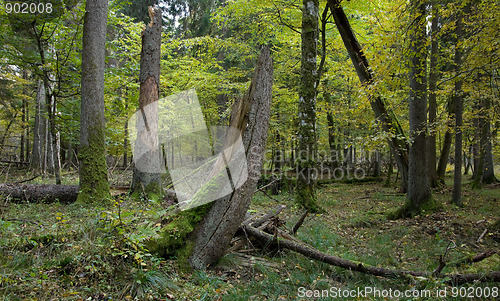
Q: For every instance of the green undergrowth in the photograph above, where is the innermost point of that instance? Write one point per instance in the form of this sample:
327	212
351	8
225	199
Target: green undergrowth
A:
84	252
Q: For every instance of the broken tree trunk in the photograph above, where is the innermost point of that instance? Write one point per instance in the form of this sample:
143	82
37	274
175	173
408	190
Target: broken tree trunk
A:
147	169
212	235
40	193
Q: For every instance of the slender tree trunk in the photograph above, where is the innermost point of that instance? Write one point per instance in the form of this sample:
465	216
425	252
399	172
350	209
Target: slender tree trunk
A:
94	186
54	138
419	193
448	139
38	154
458	96
50	104
378	166
388	121
27	135
125	142
23	121
433	76
305	193
147	172
485	169
332	139
390	169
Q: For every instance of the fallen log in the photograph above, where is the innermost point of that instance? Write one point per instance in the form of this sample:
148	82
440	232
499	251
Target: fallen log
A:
473	259
47	193
40	193
310	252
256	221
281	242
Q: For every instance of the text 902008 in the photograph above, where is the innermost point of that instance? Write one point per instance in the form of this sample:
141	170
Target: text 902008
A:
28	8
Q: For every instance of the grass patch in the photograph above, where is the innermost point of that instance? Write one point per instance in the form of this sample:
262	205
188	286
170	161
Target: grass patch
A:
75	252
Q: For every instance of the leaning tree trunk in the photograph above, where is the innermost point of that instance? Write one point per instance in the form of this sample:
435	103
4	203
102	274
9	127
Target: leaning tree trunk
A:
213	234
458	95
419	193
147	174
94	186
387	120
305	193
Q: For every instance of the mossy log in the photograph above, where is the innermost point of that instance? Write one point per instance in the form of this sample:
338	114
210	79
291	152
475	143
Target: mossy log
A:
40	193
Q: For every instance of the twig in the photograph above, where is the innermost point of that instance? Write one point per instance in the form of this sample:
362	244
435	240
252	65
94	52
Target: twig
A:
299	222
24	181
442	261
267	194
482	235
267	185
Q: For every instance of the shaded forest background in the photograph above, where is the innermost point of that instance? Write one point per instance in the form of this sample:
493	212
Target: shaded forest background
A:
383	115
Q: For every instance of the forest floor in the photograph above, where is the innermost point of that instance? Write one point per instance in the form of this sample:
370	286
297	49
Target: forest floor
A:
73	252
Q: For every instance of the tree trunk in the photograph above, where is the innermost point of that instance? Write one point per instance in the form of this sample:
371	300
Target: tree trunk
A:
419	193
147	171
448	138
390	169
40	193
213	234
54	138
387	120
377	169
433	77
125	142
486	147
38	154
50	103
23	121
94	186
305	193
458	96
332	139
27	135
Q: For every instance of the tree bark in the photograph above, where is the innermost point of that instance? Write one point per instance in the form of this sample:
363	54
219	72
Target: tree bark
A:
38	154
147	173
305	192
94	186
40	193
448	139
213	234
23	121
419	193
458	96
488	173
433	77
387	120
